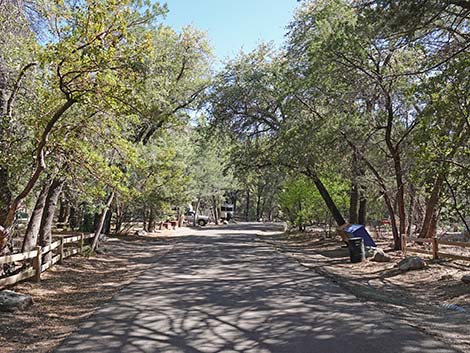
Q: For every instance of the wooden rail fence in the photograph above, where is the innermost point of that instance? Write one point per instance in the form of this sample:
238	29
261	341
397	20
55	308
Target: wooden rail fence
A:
37	254
435	253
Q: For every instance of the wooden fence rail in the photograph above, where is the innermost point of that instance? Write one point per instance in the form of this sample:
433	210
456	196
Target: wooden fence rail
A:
435	253
37	256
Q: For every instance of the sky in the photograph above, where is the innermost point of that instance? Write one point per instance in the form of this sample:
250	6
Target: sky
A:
232	25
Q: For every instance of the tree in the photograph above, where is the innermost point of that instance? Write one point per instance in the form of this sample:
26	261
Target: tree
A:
90	48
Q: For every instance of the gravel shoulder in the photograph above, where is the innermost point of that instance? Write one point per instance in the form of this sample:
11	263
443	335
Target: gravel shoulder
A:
419	298
68	294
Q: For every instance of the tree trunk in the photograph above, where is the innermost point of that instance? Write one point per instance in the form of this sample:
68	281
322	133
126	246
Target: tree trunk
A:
196	211
31	237
102	219
353	200
456	208
431	204
393	222
234	202
119	217
411	210
107	222
362	214
64	211
258	205
247	211
73	223
6	227
433	201
45	232
216	211
5	194
180	217
151	221
335	212
395	152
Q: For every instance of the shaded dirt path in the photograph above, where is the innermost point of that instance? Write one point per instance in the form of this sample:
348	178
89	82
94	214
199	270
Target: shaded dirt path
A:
220	290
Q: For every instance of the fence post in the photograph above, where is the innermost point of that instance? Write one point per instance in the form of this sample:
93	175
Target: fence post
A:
435	248
81	243
403	245
37	264
61	250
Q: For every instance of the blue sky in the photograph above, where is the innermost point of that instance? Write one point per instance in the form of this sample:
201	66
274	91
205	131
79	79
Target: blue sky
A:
233	24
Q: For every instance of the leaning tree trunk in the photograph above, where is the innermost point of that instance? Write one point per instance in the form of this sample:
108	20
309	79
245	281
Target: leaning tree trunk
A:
335	212
99	227
45	231
31	237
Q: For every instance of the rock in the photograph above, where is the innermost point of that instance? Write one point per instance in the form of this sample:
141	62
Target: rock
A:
12	301
411	263
100	251
103	238
466	279
141	233
380	256
370	251
446	278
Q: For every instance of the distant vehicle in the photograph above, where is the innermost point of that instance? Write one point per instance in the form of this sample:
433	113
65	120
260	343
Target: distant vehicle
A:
22	217
200	219
227	212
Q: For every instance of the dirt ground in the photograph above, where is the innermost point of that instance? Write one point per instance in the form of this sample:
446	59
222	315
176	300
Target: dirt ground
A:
420	298
71	292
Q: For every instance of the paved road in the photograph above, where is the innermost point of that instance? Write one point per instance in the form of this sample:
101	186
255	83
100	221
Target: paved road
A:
220	290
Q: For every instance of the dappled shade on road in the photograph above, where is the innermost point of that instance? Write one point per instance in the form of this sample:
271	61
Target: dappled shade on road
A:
221	290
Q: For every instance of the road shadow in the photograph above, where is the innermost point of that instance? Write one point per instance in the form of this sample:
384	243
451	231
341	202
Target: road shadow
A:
219	291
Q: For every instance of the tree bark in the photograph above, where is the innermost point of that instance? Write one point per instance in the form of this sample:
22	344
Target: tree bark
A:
362	214
73	222
247	211
7	225
151	221
411	210
64	211
433	201
216	211
107	222
5	194
45	232
196	211
96	238
353	200
431	204
32	232
395	152
119	217
335	212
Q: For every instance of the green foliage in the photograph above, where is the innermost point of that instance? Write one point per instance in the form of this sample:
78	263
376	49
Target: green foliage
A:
301	204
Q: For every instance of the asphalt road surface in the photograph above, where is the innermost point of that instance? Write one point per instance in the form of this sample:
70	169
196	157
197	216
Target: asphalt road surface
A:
221	290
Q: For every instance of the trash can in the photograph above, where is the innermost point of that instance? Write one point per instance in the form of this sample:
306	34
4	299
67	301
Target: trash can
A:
357	251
